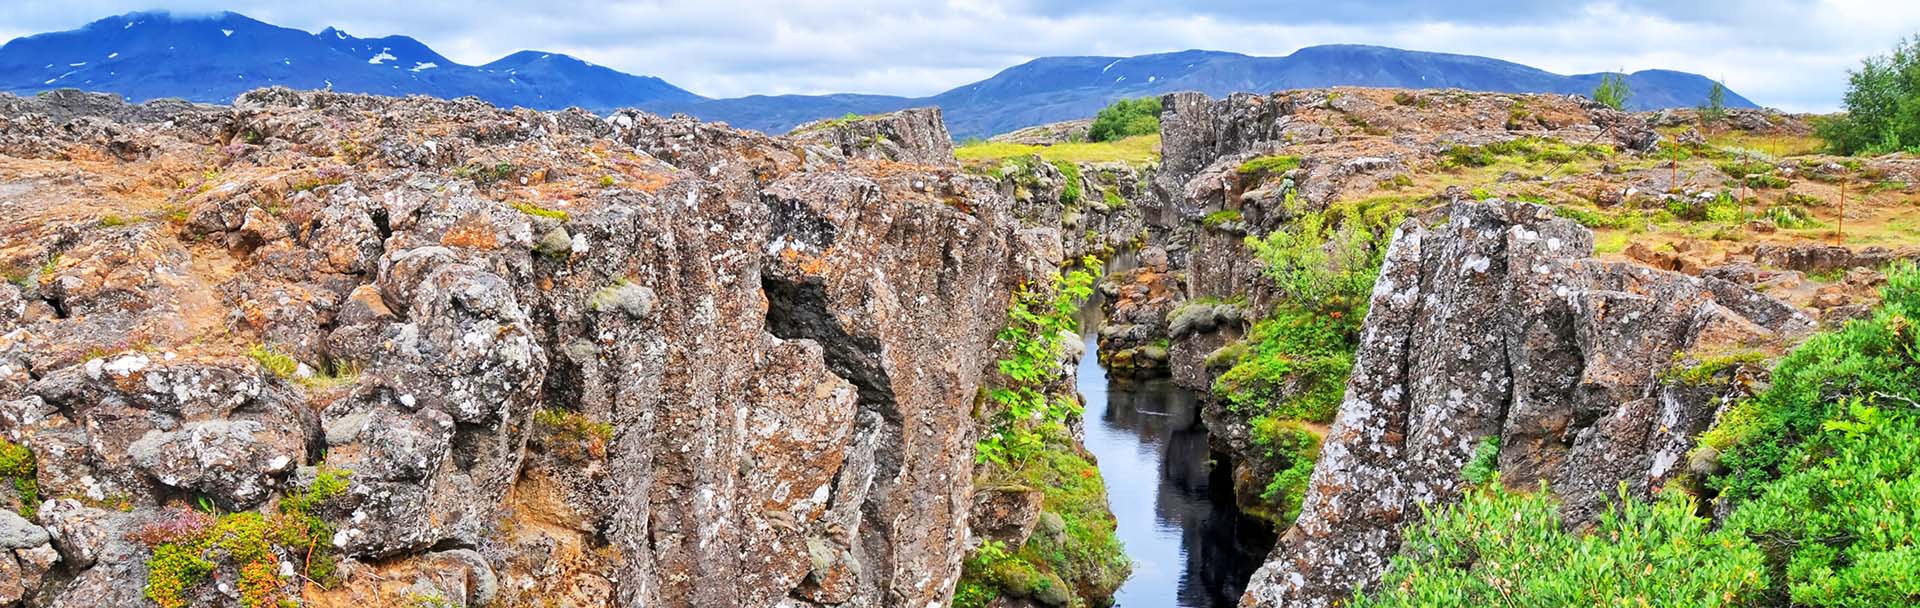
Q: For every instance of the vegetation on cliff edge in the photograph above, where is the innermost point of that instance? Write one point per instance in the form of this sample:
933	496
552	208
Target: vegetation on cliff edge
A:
1821	474
1073	557
1291	373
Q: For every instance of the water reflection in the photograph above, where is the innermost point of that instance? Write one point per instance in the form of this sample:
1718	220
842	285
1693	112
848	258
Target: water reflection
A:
1190	546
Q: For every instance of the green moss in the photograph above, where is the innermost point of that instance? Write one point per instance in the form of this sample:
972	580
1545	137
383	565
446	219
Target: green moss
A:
1112	199
253	542
1530	150
1270	165
172	571
538	211
18	467
1708	368
1218	218
1140	150
483	175
573	435
1070	189
1597	219
1294	447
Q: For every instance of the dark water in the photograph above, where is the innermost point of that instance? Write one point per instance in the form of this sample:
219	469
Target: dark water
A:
1191	548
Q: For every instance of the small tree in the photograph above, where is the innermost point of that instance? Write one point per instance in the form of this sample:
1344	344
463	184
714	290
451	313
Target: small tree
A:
1883	105
1716	108
1126	118
1613	91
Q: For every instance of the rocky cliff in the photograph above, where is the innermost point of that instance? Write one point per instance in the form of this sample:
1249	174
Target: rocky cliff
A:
1490	324
492	355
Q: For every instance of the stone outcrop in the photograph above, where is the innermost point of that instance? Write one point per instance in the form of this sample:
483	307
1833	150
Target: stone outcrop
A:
1492	322
622	360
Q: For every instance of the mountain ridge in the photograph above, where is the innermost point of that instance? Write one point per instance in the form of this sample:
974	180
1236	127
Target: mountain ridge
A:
155	54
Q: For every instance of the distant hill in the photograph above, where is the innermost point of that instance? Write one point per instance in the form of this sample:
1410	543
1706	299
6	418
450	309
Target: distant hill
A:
213	58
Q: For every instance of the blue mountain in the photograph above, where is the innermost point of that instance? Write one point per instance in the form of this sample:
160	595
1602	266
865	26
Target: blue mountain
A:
213	58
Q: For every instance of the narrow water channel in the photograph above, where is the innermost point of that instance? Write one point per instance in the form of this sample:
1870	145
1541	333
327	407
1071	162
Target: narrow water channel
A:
1191	547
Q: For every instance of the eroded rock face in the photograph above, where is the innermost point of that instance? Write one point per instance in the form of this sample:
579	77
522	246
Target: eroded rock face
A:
619	360
1497	324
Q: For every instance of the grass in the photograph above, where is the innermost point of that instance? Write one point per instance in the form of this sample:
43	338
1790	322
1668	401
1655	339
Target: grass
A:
1137	150
1775	145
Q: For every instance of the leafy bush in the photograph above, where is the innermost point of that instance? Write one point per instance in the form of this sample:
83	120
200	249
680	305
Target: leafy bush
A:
1841	521
1883	105
1025	443
1037	322
1613	91
1126	118
1498	547
1874	361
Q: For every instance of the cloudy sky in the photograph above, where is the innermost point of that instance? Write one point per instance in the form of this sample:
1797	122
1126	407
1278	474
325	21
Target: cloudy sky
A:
1791	54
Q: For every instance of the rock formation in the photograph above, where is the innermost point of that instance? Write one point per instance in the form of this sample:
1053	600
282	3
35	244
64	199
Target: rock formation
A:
622	360
1492	322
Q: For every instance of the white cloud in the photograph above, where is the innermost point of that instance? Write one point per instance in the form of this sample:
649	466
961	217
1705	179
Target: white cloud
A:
1788	53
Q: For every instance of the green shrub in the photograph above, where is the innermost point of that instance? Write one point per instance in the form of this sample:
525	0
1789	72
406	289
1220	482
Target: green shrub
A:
1037	320
1793	217
1293	365
1840	521
1715	109
1126	118
1883	105
1876	361
1613	91
1498	547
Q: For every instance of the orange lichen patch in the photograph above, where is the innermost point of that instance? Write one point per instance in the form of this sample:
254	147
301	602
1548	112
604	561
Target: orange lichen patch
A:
812	265
471	231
